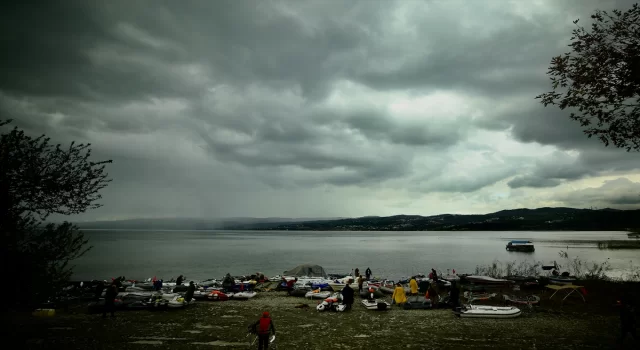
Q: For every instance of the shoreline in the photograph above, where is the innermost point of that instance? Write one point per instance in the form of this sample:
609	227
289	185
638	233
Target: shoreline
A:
206	324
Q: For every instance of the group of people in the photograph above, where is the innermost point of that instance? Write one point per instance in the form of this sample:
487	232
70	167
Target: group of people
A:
429	290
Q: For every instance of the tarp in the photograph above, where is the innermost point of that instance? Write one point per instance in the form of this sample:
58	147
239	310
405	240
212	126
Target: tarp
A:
309	270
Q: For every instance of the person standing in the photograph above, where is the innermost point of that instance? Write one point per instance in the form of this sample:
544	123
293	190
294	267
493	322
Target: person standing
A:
454	295
413	284
190	290
357	273
360	283
399	296
110	299
347	295
368	273
179	280
264	327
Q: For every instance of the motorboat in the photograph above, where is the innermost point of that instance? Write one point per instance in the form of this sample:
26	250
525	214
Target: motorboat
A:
520	246
243	295
317	294
482	311
377	304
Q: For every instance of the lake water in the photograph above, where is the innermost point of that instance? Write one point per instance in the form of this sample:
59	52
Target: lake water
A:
210	254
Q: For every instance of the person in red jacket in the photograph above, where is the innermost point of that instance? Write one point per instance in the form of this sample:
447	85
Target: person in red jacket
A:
264	326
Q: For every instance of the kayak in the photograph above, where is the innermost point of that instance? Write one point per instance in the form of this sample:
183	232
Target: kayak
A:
481	311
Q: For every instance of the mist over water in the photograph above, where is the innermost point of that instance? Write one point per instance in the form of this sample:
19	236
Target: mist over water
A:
210	254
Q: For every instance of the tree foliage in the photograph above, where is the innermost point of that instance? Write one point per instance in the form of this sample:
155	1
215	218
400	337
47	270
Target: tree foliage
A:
599	80
38	179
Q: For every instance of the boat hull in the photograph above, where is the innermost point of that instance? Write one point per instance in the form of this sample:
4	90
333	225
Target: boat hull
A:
377	305
488	312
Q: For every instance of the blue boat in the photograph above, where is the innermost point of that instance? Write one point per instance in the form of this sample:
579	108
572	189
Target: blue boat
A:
520	246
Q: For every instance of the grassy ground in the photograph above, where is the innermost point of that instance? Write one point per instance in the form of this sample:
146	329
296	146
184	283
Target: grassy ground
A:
210	325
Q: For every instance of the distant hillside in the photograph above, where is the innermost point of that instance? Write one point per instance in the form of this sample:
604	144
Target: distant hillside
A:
543	219
191	223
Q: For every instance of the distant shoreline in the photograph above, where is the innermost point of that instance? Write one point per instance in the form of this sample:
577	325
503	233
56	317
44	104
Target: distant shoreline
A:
540	220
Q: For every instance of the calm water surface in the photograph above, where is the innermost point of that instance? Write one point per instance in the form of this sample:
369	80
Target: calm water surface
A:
211	254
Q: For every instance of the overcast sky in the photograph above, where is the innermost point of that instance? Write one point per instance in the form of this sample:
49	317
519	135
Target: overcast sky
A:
311	108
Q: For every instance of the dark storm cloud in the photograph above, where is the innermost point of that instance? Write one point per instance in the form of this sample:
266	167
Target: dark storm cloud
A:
234	93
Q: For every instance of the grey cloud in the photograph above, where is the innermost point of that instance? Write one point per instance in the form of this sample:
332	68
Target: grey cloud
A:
246	84
532	181
619	193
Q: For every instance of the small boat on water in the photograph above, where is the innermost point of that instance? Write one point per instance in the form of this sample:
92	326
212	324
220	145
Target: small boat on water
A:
378	304
481	311
520	246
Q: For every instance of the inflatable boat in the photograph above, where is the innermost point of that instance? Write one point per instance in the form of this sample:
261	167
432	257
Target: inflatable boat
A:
178	302
332	303
243	295
527	300
379	305
417	302
481	311
487	280
561	279
217	295
317	294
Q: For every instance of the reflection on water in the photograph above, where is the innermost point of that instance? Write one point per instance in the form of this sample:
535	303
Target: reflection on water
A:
211	254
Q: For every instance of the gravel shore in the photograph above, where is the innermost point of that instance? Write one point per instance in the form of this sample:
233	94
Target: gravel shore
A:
208	325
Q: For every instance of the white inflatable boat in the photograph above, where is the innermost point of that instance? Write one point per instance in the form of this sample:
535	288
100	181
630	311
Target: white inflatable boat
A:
243	295
377	304
178	302
317	294
485	311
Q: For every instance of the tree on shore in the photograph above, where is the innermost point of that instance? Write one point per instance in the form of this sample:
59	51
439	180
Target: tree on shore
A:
599	80
38	179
